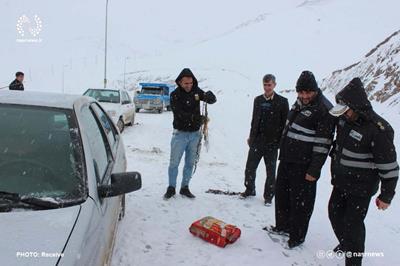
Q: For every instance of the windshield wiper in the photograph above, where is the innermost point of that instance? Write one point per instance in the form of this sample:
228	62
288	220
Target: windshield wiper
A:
8	195
39	202
19	201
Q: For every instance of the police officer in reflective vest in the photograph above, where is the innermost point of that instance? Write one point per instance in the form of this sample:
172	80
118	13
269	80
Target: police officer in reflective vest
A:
305	145
363	156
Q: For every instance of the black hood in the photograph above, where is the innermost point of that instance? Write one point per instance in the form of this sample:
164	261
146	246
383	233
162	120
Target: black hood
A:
354	96
186	72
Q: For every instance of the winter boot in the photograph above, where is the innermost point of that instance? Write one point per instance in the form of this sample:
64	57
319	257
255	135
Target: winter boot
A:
186	192
247	193
268	202
276	231
170	193
294	243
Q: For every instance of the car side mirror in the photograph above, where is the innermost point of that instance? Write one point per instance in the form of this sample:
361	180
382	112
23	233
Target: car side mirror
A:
121	183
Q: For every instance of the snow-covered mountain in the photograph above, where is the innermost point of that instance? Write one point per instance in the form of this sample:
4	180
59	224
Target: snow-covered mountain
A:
378	69
245	38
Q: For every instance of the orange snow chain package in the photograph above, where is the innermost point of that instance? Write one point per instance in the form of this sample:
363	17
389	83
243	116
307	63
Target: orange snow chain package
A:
215	231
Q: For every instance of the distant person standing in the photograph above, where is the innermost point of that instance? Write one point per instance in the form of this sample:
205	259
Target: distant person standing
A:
185	104
268	121
17	84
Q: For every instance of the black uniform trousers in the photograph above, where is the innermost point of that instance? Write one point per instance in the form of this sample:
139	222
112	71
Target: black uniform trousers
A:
347	213
270	154
294	200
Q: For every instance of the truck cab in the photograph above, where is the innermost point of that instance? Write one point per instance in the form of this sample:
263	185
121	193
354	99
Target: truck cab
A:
154	96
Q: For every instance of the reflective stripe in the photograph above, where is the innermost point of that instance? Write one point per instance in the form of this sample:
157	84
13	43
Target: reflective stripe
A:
391	174
320	149
323	141
303	129
356	164
387	166
308	139
300	137
357	155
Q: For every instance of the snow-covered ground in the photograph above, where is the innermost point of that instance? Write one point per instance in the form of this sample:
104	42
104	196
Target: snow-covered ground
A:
155	231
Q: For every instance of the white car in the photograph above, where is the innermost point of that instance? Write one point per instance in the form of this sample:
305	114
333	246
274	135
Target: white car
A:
118	104
63	180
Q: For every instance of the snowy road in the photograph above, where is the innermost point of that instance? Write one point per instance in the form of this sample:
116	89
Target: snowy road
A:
155	232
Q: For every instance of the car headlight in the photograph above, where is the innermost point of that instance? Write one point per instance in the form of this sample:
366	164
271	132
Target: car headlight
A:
112	113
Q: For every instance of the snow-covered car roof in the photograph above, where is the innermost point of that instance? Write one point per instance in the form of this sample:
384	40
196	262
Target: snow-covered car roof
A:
106	89
48	99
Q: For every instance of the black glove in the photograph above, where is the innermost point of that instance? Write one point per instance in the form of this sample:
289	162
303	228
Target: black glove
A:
199	119
203	119
209	97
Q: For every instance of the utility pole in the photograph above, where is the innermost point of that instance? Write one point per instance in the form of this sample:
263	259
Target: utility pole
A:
105	48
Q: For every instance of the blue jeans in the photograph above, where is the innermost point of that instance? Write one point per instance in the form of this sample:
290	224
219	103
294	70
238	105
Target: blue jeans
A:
183	142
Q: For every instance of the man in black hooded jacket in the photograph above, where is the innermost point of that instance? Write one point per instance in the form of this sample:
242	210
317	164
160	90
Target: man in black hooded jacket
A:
185	104
363	156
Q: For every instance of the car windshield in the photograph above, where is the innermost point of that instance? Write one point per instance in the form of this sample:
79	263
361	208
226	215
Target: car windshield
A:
149	90
40	153
105	96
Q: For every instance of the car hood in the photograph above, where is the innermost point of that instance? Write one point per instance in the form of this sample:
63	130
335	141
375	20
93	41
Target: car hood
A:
25	235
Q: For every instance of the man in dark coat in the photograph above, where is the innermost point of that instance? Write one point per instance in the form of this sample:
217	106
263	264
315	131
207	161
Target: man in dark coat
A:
364	155
269	116
305	145
185	104
17	84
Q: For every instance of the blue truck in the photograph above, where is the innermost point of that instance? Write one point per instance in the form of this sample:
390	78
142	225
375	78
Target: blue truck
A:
154	96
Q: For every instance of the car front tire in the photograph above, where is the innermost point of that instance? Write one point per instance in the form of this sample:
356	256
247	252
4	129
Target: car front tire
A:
161	109
132	121
120	125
